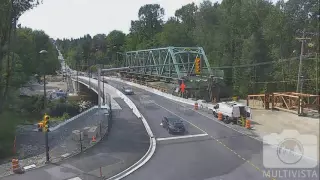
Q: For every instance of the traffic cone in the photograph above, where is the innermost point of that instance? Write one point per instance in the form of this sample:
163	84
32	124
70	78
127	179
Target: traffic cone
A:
248	124
16	167
93	139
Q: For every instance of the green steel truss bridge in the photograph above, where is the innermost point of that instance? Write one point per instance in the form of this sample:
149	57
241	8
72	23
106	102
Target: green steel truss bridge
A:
169	63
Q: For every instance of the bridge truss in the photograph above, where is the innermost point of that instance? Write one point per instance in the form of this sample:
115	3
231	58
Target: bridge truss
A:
169	62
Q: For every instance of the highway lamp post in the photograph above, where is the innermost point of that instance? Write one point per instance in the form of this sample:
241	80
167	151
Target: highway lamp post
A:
77	76
45	105
99	87
103	95
104	98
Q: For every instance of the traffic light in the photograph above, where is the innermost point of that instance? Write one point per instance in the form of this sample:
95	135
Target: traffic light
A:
197	66
46	123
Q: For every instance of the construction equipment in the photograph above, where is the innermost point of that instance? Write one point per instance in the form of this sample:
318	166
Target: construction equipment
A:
212	89
175	65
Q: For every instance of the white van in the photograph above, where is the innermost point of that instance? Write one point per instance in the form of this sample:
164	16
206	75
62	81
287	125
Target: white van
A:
232	111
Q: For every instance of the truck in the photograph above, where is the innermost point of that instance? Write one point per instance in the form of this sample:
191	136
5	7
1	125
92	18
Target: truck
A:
232	111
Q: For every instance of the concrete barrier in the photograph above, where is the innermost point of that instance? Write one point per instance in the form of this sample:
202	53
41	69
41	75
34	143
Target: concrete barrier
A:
77	135
93	132
163	94
191	102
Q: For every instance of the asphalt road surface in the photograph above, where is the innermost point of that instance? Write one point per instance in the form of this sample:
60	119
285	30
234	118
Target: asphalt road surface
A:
209	151
126	143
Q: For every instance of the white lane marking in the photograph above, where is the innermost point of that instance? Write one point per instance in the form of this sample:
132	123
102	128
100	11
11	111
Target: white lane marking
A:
248	135
29	167
181	137
181	118
65	155
75	178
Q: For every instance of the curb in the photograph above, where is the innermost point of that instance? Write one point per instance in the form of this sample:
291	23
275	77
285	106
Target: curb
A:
153	144
191	102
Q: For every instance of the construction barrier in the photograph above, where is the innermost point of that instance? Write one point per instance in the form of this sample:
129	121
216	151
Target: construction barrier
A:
16	167
196	106
248	124
220	116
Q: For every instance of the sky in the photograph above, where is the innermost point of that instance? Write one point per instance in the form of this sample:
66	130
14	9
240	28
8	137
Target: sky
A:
75	18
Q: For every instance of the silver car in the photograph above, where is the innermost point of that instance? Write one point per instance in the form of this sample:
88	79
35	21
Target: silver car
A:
127	90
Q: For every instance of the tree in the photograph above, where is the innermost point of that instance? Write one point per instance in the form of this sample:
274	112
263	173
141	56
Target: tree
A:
245	38
186	14
10	12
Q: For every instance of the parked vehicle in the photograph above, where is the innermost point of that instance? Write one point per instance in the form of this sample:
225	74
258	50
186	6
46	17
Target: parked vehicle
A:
173	125
232	111
127	91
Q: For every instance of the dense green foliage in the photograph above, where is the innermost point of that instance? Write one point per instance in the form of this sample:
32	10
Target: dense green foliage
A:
19	51
19	60
237	35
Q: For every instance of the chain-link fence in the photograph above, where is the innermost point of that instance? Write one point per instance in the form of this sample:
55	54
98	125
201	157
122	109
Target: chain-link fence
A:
80	134
87	129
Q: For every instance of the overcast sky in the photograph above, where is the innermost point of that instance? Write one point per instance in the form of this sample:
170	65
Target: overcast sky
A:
74	18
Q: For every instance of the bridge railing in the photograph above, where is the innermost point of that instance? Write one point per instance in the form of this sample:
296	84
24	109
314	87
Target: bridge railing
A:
106	97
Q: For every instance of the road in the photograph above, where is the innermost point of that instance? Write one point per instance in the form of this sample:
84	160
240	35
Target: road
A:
126	143
209	151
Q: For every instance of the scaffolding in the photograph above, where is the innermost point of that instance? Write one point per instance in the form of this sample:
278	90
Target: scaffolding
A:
293	102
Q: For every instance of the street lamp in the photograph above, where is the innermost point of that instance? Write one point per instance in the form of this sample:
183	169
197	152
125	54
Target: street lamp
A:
45	105
44	80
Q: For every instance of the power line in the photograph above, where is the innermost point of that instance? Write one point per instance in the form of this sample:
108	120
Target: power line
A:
283	81
260	64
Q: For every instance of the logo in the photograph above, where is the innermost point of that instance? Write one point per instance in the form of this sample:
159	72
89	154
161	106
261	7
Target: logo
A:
290	149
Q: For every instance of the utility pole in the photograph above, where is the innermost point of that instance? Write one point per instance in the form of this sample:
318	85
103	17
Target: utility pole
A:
317	73
303	39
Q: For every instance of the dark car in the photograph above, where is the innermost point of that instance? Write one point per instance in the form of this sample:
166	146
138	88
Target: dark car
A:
173	125
127	91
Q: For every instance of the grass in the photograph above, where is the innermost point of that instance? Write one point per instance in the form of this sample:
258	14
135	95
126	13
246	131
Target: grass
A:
62	118
8	122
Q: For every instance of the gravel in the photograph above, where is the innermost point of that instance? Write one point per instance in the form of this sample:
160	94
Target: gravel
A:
30	142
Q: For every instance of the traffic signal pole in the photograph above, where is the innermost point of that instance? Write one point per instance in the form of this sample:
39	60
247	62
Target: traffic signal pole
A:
47	145
45	129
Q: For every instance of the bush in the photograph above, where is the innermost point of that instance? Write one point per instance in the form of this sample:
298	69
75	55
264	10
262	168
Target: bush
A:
8	122
58	109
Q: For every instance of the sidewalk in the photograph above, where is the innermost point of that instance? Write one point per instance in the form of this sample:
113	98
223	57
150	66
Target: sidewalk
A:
126	143
266	122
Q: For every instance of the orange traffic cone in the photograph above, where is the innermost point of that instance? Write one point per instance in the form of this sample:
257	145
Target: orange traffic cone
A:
16	167
93	139
248	124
